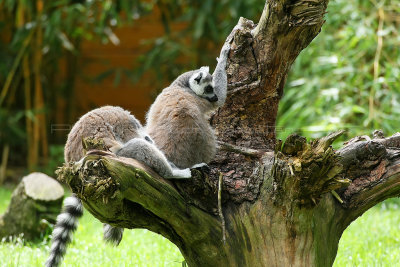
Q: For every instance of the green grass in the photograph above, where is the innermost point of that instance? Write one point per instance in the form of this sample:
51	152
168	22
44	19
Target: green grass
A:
138	247
372	240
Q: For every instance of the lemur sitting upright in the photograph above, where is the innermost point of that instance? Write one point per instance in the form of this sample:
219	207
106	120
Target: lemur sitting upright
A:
177	122
178	119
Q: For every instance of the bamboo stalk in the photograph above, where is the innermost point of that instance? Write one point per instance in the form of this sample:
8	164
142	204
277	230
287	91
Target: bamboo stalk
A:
14	67
4	160
11	97
43	128
39	127
19	22
381	17
27	89
28	106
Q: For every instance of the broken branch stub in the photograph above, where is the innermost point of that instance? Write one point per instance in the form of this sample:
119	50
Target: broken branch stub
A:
312	168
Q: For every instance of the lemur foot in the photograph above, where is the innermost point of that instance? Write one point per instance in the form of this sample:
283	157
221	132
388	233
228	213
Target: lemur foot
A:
201	167
181	174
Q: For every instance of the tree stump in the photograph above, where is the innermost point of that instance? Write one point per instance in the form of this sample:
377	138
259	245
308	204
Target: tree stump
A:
36	201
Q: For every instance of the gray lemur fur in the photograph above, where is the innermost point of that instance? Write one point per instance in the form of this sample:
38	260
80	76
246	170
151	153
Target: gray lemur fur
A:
177	122
119	130
114	125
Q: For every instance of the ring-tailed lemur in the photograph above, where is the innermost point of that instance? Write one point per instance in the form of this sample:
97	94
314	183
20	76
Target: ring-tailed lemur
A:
119	130
189	100
178	120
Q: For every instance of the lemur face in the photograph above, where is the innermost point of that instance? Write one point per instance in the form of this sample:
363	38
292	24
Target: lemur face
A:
201	84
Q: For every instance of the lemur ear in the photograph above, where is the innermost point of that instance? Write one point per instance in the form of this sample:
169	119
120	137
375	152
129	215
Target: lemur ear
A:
205	68
198	78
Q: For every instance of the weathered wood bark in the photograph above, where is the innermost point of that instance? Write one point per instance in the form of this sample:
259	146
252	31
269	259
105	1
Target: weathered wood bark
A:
36	201
278	199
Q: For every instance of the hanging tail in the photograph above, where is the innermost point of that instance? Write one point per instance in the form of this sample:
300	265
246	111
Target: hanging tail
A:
66	224
112	235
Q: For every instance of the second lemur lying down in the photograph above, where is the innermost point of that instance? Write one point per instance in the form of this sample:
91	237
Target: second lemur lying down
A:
177	122
116	127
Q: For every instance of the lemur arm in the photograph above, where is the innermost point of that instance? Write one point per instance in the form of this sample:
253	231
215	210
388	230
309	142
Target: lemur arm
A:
220	82
150	155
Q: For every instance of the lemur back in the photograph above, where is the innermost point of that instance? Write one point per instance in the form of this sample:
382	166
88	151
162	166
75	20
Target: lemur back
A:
114	125
178	124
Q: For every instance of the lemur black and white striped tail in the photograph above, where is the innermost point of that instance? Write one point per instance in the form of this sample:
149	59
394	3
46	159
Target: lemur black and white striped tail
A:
66	224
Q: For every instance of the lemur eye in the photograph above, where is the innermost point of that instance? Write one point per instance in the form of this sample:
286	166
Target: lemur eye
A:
209	89
199	77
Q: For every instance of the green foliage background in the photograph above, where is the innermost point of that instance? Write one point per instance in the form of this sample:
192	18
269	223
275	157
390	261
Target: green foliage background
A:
347	78
333	80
